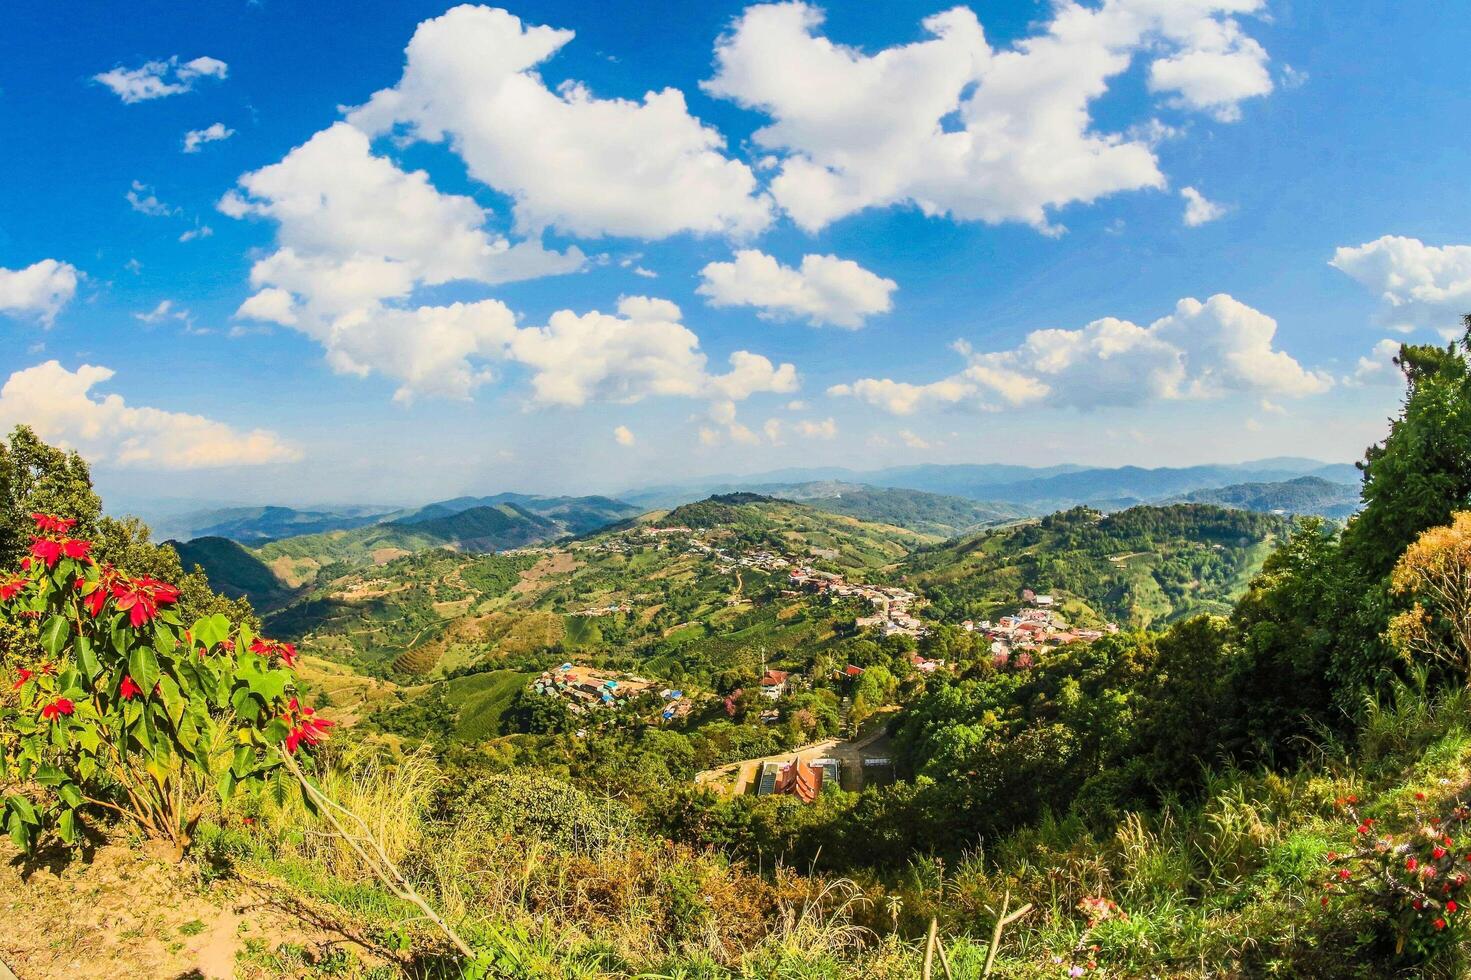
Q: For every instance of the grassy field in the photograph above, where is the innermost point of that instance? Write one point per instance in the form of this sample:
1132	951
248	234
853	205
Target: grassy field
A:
482	700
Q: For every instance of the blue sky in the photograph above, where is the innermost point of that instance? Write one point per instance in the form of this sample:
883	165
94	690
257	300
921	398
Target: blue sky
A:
523	254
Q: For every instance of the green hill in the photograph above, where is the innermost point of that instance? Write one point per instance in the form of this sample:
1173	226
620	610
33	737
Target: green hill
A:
1305	495
927	513
233	570
1136	567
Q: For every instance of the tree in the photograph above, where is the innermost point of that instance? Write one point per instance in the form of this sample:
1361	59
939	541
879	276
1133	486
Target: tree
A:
37	478
1435	574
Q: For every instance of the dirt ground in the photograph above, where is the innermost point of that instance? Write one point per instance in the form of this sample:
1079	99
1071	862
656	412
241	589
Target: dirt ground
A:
125	914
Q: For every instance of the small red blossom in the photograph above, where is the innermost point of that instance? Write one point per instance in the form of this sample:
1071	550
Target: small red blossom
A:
21	676
1419	796
1439	924
53	525
305	729
1332	856
1438	853
1411	864
129	689
1343	874
61	706
9	590
268	648
1450	907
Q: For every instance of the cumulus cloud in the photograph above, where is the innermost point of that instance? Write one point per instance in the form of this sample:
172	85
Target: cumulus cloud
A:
1199	210
813	429
39	290
825	290
157	79
571	161
956	127
1421	285
1201	350
59	405
212	133
141	198
1378	367
913	440
624	436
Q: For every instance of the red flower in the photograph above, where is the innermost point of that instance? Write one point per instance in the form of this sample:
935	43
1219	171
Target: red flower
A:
305	728
53	525
1332	856
22	675
140	597
1343	874
1411	864
9	589
268	648
1439	923
1450	907
1438	853
61	706
1419	796
75	548
46	550
129	689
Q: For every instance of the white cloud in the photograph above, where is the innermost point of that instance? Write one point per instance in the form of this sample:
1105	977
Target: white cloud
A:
356	233
59	405
956	127
826	289
198	231
1199	210
914	441
796	405
624	436
1378	367
142	199
571	161
772	428
212	133
1421	285
156	79
163	311
1201	350
39	290
809	429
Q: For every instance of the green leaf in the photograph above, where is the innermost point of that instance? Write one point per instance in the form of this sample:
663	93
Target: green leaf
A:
143	667
70	795
54	634
241	764
87	659
246	705
226	785
23	809
275	731
49	775
210	630
66	826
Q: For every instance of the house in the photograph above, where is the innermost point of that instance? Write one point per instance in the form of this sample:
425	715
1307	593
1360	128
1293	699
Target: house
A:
796	778
774	684
852	671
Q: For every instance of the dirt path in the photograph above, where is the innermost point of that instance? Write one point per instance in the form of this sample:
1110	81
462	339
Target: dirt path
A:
124	914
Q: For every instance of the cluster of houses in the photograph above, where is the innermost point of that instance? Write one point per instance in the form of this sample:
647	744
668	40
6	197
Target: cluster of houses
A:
1035	627
891	605
584	688
587	689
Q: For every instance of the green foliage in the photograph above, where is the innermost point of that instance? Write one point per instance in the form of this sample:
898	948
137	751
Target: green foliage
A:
117	706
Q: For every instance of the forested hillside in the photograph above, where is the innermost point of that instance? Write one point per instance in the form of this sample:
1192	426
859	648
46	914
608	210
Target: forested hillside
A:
1135	567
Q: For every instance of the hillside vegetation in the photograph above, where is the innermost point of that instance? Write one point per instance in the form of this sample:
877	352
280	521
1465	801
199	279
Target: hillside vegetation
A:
1136	567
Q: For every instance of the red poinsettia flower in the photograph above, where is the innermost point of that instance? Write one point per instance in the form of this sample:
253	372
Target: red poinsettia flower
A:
9	590
75	548
274	648
1439	923
1450	907
47	550
305	729
53	525
61	706
129	689
21	676
140	597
